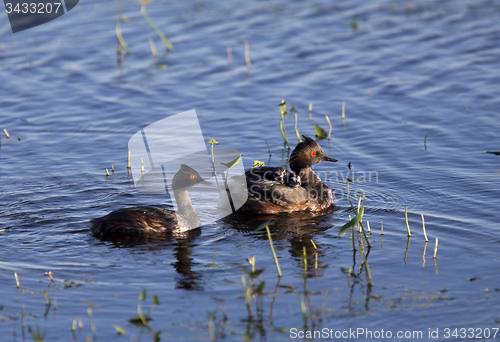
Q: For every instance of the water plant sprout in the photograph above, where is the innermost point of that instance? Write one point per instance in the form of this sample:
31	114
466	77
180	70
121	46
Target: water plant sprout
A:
423	226
266	226
214	142
329	124
283	112
406	221
153	25
247	54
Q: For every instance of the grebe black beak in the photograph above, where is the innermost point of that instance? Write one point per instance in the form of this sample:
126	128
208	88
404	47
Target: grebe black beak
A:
330	159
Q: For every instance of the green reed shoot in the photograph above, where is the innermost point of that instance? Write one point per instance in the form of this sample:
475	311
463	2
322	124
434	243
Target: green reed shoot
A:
406	220
304	259
247	54
423	226
153	25
120	330
119	35
142	297
314	245
212	142
368	273
47	298
107	173
128	160
381	228
320	132
283	112
229	165
36	335
294	111
6	133
296	130
152	45
143	318
310	110
266	225
251	261
329	124
274	253
17	280
435	248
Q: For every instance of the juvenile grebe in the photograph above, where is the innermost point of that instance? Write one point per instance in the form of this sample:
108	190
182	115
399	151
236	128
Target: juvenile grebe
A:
270	173
154	220
291	179
271	197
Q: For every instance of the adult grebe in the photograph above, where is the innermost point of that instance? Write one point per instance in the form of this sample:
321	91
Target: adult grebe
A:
270	197
154	220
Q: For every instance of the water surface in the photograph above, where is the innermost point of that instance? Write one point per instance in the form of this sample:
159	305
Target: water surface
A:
420	82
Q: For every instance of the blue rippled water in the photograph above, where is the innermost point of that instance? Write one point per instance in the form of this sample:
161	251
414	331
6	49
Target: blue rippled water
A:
420	82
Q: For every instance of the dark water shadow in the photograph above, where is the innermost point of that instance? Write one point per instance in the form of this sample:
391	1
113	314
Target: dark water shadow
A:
181	243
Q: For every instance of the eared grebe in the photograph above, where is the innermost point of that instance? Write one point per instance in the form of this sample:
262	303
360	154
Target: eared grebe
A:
154	220
291	179
301	192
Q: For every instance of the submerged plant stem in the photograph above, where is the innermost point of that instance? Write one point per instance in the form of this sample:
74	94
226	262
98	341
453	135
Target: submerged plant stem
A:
154	27
423	226
274	253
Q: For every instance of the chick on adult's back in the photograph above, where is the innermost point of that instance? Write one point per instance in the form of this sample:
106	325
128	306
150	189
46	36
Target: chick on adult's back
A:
271	197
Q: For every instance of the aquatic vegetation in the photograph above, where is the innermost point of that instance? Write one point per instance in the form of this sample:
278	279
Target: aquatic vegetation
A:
121	40
247	54
143	318
266	226
406	221
229	165
153	25
17	279
283	112
329	124
423	226
320	132
294	111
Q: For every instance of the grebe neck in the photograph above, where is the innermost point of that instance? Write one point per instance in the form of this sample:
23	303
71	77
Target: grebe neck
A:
309	178
186	215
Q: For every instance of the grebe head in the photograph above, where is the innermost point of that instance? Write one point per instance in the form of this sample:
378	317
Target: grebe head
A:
306	154
186	177
293	180
279	174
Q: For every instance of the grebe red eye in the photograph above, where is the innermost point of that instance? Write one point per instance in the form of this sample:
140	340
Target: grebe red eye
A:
314	154
192	176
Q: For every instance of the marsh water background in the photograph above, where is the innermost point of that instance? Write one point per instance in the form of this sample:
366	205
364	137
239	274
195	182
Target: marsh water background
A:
433	73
